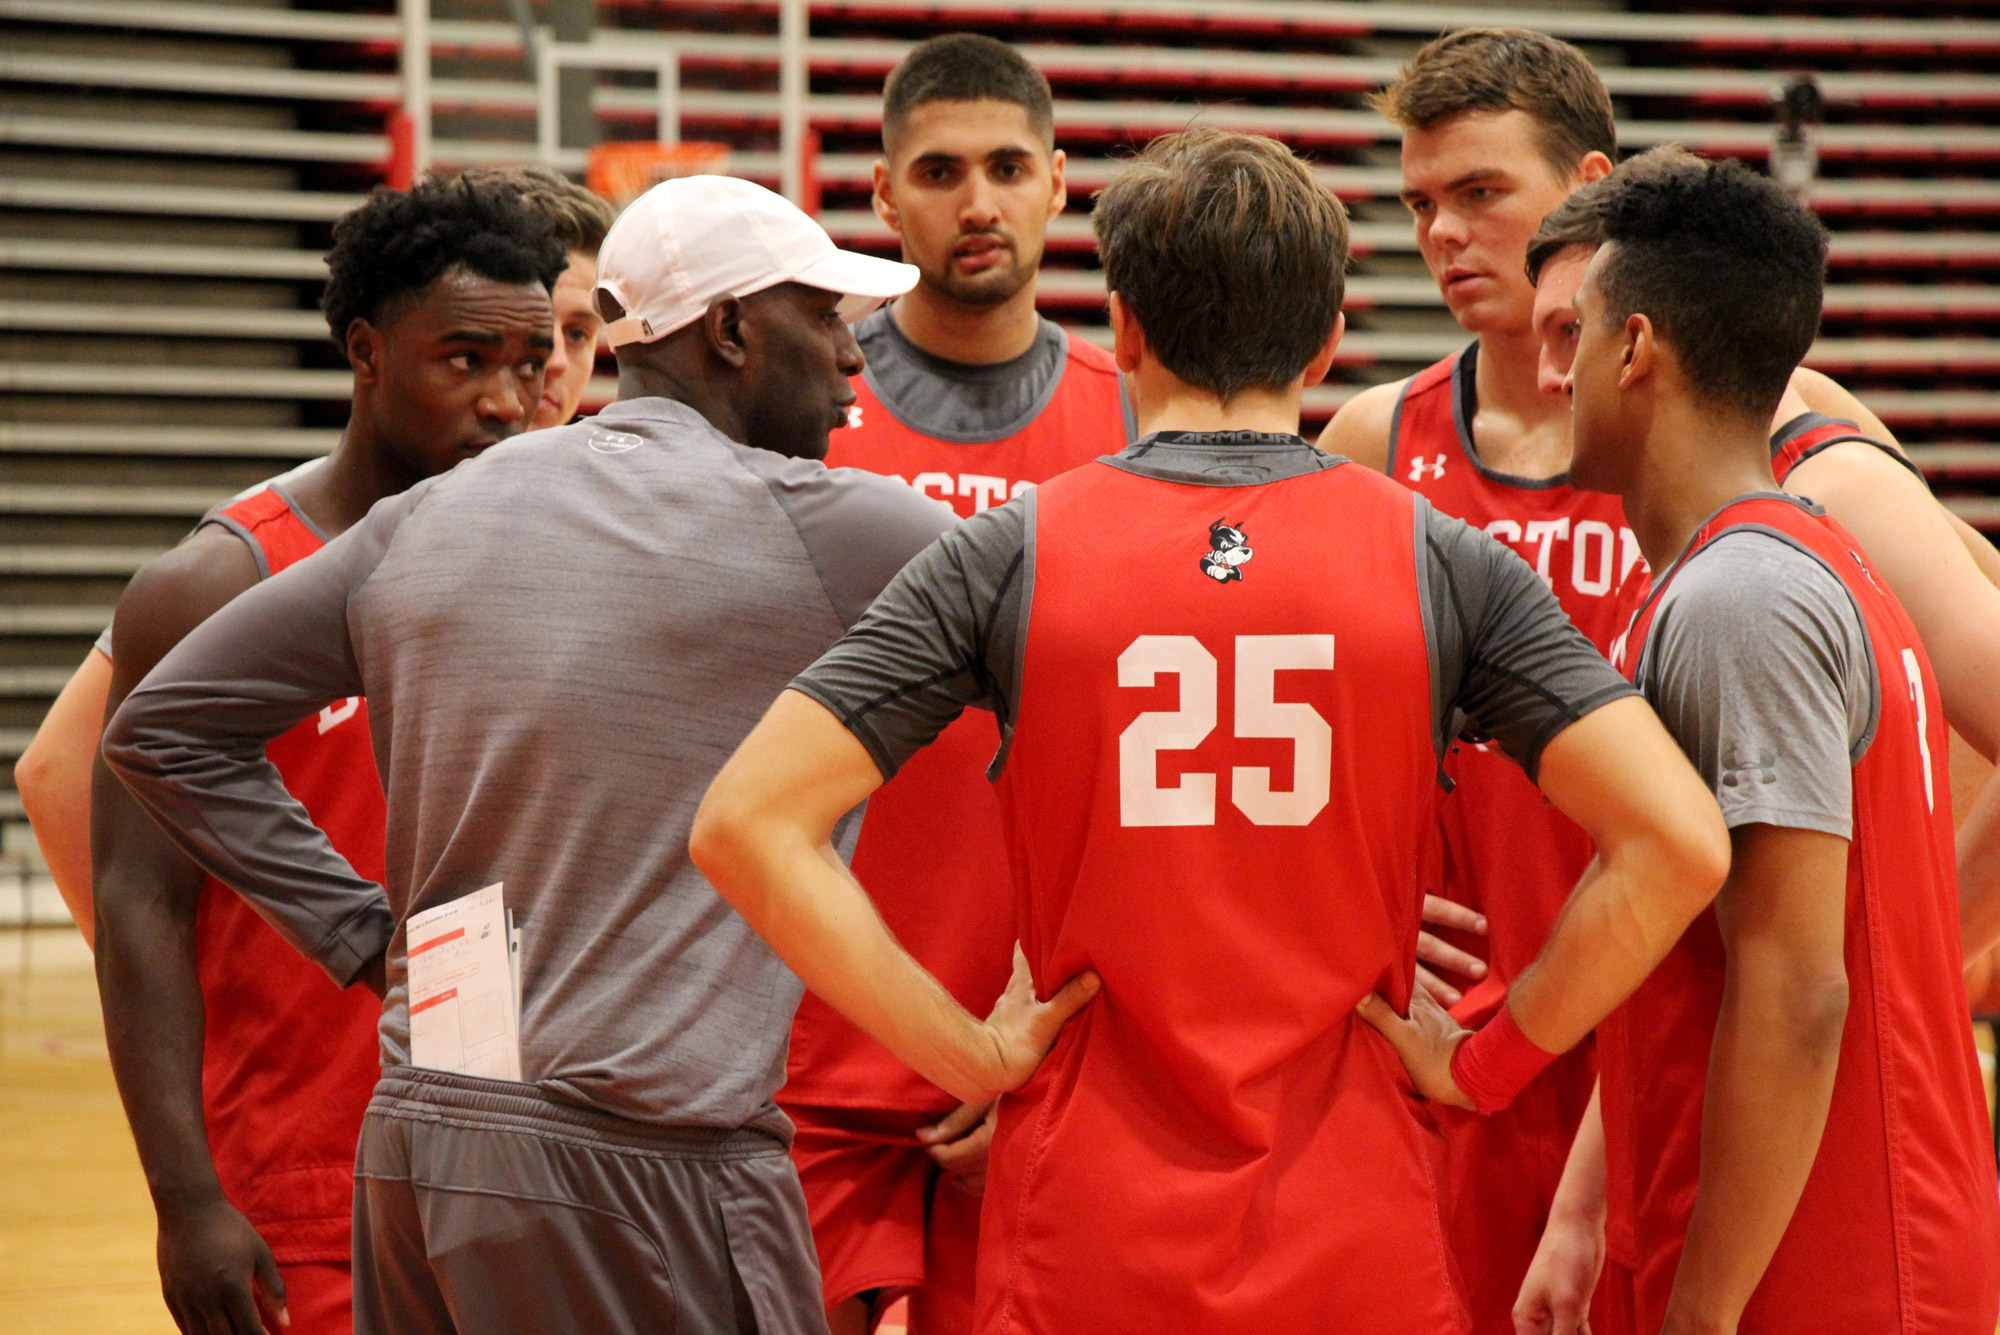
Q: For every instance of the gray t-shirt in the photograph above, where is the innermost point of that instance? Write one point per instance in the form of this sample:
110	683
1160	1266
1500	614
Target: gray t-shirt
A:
560	643
958	402
950	631
1760	667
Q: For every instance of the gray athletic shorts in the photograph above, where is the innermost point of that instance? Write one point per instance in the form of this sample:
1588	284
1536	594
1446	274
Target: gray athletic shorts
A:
487	1207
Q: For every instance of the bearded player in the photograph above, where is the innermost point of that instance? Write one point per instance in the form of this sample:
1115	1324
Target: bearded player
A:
243	1070
1499	127
970	397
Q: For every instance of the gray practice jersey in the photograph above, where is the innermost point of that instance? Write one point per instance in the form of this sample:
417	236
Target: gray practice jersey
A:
560	644
950	630
957	402
1759	665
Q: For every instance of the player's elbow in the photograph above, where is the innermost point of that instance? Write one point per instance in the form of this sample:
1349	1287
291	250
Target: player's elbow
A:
36	775
1810	1012
1674	862
1686	855
729	833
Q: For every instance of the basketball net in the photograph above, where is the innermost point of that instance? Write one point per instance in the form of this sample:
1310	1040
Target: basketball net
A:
621	172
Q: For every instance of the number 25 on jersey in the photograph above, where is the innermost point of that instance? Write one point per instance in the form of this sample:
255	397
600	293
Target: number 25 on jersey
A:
1259	659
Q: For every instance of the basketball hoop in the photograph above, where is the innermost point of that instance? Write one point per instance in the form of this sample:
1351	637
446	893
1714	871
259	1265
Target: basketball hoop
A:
623	171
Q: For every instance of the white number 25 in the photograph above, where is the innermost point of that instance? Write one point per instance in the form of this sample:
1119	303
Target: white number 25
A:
1259	658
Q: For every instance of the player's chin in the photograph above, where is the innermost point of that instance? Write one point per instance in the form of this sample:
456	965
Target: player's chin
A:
990	288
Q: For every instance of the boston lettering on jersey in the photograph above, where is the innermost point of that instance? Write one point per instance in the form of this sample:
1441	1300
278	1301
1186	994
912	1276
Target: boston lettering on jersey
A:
290	1060
1577	541
1500	847
930	849
1898	1228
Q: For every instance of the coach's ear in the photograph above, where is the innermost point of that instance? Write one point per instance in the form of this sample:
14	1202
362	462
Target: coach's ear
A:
722	326
1322	362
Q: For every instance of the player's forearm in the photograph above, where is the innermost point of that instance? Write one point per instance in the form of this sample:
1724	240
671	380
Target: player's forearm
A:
1662	855
794	892
55	796
1579	1200
54	776
1627	912
1979	874
154	1026
1770	1081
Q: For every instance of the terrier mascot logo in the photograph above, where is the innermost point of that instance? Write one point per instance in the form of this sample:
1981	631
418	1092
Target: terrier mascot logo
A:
1229	549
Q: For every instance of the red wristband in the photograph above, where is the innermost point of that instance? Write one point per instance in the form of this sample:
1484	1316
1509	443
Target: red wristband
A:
1497	1063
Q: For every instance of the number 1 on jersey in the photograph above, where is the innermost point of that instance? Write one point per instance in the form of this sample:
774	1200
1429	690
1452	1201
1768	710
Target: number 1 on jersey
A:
1259	659
1915	676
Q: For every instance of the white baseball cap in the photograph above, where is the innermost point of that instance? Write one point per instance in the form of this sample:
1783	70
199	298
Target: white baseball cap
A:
688	241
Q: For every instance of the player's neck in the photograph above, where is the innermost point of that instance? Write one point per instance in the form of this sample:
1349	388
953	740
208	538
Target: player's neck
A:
972	335
1163	401
1696	461
1517	429
358	473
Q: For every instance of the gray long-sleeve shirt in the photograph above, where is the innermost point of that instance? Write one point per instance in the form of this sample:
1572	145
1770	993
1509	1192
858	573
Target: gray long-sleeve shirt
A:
560	642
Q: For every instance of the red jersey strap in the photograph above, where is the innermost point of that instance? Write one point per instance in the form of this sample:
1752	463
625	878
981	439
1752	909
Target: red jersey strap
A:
278	534
1809	433
1427	409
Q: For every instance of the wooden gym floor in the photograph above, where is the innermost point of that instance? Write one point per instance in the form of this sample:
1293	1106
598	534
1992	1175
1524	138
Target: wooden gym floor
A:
76	1229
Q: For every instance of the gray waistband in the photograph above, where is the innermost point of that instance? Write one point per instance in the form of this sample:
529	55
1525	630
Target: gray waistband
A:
418	1094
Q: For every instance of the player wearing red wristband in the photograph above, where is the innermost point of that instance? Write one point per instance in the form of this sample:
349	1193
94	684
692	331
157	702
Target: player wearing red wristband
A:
1217	770
971	397
1500	125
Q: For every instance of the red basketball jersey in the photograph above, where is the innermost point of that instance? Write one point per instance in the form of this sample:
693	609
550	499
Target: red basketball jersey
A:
1507	851
1215	797
289	1059
1501	847
930	850
1898	1229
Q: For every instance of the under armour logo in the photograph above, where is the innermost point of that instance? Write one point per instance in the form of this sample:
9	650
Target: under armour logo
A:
1417	467
853	416
1740	769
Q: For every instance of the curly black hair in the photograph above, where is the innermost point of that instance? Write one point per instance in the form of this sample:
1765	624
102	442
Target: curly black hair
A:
1730	269
399	242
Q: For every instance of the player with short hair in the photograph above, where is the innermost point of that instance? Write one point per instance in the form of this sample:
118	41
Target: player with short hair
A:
559	643
1792	1101
1870	488
1500	125
243	1070
971	397
1217	766
579	218
53	773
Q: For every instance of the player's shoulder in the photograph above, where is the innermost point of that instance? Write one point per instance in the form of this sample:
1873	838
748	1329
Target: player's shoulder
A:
1361	430
178	590
846	506
1749	576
